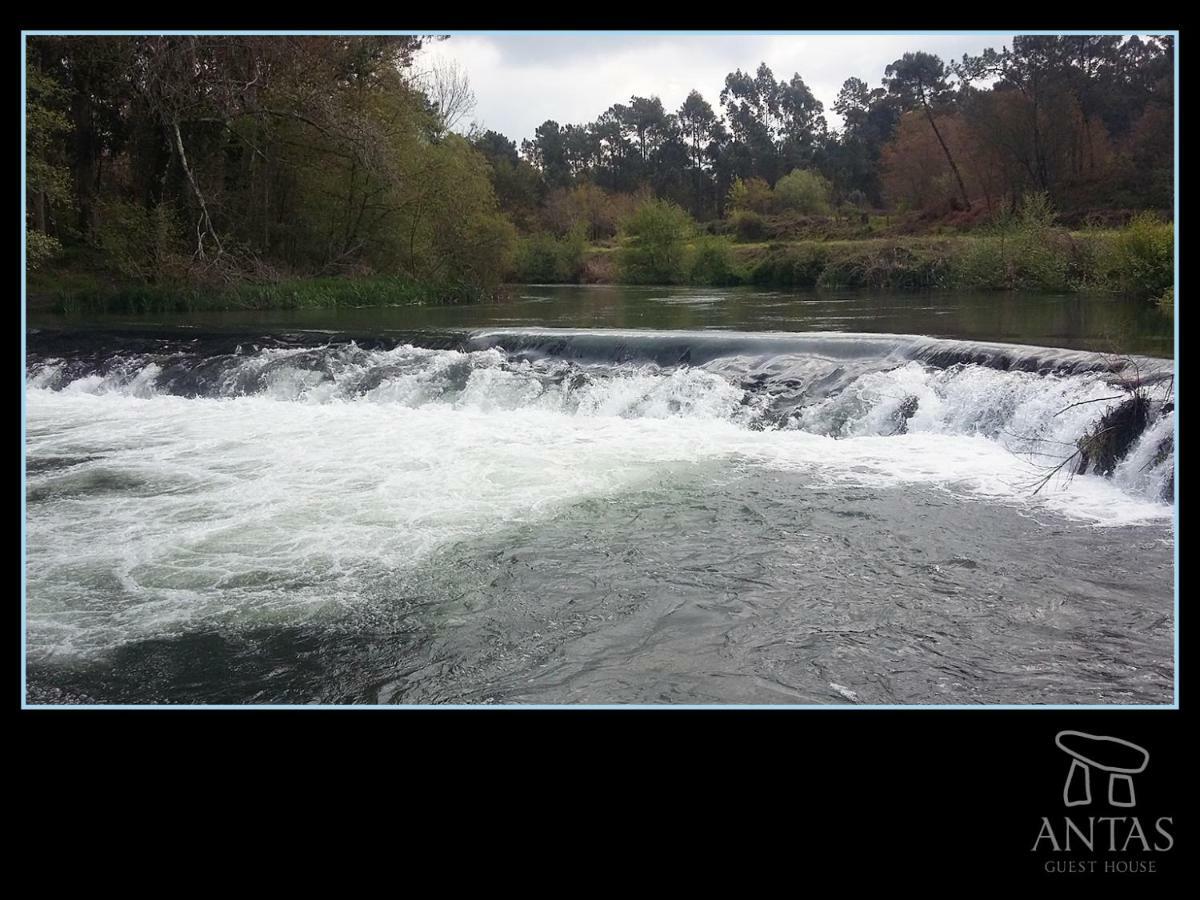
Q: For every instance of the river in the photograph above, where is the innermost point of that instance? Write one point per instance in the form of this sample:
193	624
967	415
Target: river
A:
600	495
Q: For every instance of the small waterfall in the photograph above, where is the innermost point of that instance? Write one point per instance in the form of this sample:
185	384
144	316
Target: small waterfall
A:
1036	401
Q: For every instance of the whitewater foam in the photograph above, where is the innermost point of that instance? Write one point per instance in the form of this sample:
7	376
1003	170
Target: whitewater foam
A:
274	484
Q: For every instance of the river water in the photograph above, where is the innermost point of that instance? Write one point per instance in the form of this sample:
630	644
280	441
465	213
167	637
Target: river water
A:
600	495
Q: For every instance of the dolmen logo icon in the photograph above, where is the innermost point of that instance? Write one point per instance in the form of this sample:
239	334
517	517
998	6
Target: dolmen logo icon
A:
1120	759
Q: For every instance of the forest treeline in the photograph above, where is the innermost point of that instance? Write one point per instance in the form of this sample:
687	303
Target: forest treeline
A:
257	158
231	158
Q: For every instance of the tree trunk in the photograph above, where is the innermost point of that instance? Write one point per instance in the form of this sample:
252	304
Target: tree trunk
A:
204	217
961	186
39	211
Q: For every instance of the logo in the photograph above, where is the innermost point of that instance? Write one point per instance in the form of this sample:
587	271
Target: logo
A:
1099	832
1121	759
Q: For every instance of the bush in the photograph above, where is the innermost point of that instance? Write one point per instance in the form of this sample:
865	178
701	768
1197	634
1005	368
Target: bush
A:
655	242
1028	251
1145	257
748	226
543	258
584	205
39	248
751	195
808	262
145	244
803	191
1036	212
891	266
302	293
711	263
798	265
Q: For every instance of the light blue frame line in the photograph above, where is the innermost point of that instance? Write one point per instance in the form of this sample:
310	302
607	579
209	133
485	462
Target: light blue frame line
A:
623	706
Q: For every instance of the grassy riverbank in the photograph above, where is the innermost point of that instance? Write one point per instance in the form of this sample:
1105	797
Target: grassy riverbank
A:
74	292
1137	260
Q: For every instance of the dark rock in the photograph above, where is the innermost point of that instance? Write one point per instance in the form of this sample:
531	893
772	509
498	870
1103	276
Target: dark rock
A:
1109	441
906	410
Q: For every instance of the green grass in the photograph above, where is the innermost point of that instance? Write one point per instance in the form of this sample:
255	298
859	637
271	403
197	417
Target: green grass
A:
1135	261
76	293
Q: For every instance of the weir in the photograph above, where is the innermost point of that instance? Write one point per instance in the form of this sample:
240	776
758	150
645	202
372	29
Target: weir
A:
1038	401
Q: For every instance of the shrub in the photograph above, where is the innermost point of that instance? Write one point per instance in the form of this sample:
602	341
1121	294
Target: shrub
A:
711	262
599	269
982	263
584	205
889	266
1025	250
655	242
1036	212
752	195
39	248
145	244
808	262
1145	256
804	192
543	258
748	226
537	259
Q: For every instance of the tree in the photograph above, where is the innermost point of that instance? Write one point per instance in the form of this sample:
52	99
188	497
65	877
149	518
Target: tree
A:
920	79
547	151
220	157
645	118
46	125
450	95
748	102
913	164
518	185
803	191
869	118
1073	100
751	195
697	124
801	124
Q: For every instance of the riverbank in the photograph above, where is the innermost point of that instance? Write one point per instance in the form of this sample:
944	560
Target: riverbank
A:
1136	261
74	292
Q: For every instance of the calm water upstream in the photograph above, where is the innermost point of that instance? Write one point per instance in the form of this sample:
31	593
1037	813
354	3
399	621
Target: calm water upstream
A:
600	495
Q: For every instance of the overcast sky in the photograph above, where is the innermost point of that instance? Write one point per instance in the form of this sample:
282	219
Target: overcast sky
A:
521	80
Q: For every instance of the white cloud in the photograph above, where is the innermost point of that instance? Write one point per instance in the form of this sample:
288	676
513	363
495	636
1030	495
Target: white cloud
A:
521	80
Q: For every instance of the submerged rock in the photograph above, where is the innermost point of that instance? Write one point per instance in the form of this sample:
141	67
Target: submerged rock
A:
906	410
1163	452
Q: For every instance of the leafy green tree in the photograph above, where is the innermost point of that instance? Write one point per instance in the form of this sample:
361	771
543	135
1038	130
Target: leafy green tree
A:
647	121
548	152
519	187
748	100
803	191
869	118
802	126
48	176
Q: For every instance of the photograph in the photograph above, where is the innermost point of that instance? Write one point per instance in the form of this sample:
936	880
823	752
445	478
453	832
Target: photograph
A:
611	369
